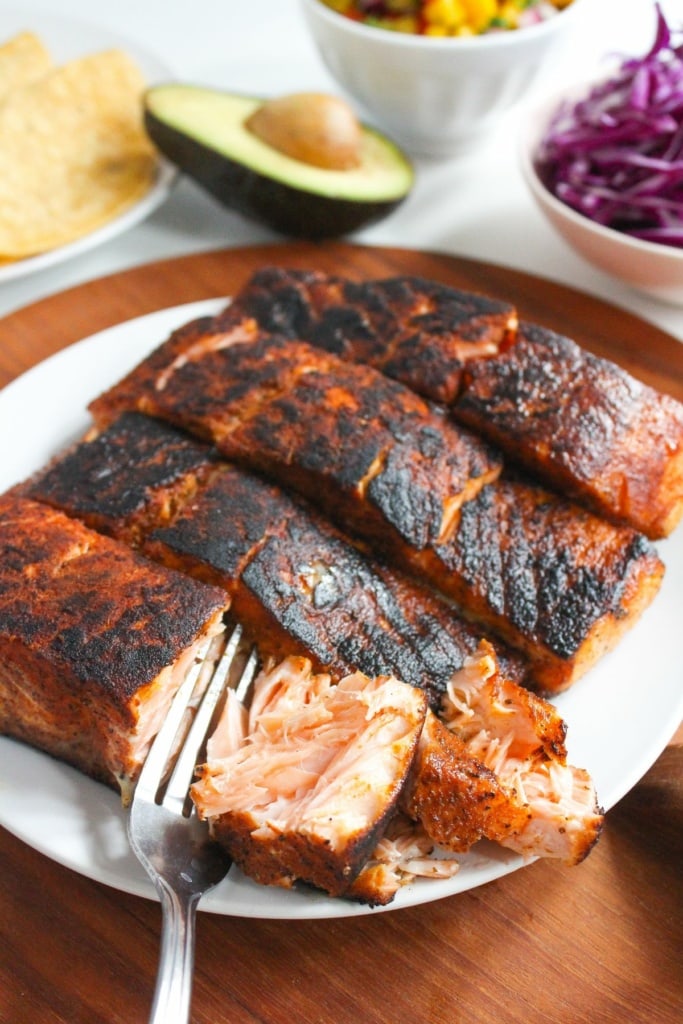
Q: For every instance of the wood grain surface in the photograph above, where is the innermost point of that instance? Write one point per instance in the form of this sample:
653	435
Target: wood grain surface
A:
599	943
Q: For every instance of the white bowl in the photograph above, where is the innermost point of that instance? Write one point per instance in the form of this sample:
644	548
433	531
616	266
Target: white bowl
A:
436	96
649	267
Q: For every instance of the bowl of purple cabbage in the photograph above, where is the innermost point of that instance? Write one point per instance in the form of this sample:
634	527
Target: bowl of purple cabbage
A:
605	166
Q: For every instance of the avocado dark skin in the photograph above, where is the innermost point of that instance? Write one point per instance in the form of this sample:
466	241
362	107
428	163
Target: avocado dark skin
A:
295	212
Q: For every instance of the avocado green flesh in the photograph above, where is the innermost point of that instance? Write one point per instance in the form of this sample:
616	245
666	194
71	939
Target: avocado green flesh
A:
216	120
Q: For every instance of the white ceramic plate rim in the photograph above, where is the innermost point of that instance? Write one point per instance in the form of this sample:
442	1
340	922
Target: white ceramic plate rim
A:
67	39
620	716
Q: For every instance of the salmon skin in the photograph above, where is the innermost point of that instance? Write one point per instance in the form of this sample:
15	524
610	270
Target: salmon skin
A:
578	423
418	331
297	584
94	638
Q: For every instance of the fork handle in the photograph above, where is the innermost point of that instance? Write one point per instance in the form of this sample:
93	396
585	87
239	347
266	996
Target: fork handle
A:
176	960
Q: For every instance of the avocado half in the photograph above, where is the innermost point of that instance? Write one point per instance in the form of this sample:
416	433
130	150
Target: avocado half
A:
203	132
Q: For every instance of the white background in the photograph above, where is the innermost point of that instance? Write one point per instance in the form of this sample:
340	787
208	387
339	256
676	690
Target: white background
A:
474	205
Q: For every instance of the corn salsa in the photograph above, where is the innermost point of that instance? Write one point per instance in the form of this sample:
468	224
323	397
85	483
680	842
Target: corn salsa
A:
448	17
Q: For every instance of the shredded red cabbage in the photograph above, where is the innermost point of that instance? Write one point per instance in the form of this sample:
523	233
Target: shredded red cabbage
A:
616	156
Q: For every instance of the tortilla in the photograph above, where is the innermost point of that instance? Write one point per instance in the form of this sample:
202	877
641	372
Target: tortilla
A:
73	153
23	59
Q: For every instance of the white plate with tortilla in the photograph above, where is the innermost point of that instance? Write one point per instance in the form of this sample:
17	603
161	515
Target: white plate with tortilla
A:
67	40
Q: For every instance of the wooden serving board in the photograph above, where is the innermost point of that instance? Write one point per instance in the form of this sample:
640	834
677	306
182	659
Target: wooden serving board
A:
37	331
599	943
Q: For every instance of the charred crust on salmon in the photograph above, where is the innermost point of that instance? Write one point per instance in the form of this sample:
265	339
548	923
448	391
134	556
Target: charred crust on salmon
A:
583	425
556	581
512	383
295	582
125	477
325	425
94	639
418	331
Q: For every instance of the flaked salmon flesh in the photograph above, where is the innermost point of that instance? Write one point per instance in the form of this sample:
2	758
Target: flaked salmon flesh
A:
357	787
308	791
520	737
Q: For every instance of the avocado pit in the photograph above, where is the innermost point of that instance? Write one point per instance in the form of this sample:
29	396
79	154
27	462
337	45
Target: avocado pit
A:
313	127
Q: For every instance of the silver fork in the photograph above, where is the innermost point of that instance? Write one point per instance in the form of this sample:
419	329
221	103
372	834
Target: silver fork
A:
165	832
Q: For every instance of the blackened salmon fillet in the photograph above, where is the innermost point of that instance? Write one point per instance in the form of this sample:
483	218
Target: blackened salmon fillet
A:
94	641
582	425
188	341
415	330
551	580
127	479
295	582
300	586
555	581
370	451
579	423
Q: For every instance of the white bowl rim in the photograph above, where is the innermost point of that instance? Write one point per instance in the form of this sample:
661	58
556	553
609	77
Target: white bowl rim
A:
486	41
536	119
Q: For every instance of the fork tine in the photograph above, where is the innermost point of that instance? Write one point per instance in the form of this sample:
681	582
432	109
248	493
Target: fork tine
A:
163	744
176	793
248	673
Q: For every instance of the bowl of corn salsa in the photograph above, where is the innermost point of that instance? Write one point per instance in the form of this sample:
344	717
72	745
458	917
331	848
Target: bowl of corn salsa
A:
444	18
437	75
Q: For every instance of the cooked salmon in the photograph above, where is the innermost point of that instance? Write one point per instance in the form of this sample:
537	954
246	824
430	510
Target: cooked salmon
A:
296	584
579	423
582	425
187	342
559	584
555	581
299	586
366	447
404	853
127	479
94	641
455	796
356	789
520	738
310	790
418	331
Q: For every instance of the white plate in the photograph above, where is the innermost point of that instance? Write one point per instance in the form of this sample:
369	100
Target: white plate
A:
66	40
620	716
